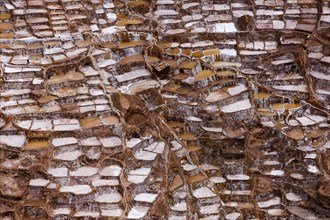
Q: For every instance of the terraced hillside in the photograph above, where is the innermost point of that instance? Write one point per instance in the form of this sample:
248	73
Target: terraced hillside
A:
164	109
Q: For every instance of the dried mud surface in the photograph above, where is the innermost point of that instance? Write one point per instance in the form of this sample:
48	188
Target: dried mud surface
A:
164	109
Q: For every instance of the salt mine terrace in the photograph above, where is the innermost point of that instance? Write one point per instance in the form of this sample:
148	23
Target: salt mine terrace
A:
164	109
